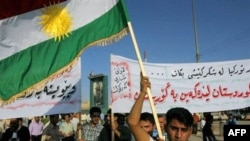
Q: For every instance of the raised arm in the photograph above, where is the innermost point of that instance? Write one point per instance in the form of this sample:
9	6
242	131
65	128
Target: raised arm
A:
135	113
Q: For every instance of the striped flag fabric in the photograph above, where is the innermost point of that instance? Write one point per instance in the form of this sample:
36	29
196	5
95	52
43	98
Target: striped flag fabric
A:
41	39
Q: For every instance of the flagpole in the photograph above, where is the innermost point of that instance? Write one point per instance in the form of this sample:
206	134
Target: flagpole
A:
144	74
195	33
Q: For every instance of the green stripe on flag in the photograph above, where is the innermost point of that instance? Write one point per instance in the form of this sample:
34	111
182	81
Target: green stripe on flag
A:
33	65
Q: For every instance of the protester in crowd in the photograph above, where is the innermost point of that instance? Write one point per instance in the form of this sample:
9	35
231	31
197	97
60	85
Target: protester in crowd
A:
91	131
207	132
179	120
162	121
121	132
16	131
36	129
106	133
231	120
179	124
78	131
147	123
195	124
126	124
202	124
223	119
51	132
74	120
66	129
84	118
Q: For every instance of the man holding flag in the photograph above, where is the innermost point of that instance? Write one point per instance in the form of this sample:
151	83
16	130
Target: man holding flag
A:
179	120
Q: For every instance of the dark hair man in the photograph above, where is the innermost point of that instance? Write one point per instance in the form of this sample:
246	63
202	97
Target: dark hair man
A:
91	131
17	131
179	120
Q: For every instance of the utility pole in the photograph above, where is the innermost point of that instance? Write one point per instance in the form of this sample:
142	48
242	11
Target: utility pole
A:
145	56
195	35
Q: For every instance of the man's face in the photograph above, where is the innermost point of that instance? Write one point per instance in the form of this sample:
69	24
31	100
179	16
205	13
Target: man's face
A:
37	119
95	118
67	118
108	118
147	126
55	120
162	122
177	131
14	124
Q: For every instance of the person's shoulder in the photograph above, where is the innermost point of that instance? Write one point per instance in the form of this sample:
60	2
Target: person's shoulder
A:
63	123
100	126
85	125
8	130
24	127
52	126
47	127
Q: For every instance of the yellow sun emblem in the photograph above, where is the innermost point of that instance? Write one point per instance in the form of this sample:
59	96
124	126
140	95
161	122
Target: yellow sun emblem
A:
56	21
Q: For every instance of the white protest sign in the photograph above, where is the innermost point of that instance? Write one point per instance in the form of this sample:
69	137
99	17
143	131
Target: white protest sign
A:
199	87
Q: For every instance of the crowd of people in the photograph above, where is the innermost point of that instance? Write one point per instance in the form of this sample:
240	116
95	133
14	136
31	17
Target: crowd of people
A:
55	129
177	124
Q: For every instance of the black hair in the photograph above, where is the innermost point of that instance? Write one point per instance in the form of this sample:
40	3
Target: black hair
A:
64	115
19	119
160	115
120	118
109	111
95	110
145	116
209	118
181	114
53	116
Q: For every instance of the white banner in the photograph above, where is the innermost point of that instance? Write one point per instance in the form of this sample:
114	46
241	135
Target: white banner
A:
62	95
199	87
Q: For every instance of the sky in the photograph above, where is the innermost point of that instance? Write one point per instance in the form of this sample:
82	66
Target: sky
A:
164	29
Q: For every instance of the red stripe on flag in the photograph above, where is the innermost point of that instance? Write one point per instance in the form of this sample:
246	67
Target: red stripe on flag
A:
9	8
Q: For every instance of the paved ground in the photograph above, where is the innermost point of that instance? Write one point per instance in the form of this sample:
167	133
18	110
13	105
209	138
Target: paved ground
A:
217	133
198	137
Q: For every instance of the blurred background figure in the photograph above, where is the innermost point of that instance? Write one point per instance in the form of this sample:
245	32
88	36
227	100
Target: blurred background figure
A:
66	129
17	131
106	133
202	124
121	132
231	120
36	129
91	130
195	123
223	118
208	130
162	121
51	131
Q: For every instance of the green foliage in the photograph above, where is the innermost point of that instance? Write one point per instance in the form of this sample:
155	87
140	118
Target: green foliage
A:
45	120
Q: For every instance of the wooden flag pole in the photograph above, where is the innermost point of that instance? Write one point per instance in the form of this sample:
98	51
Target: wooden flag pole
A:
144	74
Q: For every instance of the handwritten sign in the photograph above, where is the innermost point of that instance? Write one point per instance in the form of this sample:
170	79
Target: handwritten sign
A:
200	87
62	95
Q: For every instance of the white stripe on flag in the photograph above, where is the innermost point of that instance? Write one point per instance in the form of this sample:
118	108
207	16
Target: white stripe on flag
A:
19	32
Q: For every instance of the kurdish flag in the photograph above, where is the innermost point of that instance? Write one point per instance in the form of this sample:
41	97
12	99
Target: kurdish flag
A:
41	39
